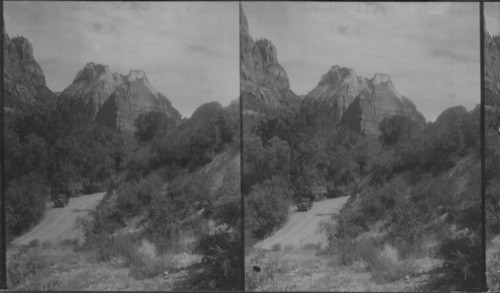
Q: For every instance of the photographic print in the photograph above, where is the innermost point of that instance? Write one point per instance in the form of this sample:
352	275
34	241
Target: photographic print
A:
122	146
361	146
491	47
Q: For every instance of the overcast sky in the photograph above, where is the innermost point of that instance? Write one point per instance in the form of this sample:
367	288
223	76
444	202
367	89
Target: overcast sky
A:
431	50
492	17
189	51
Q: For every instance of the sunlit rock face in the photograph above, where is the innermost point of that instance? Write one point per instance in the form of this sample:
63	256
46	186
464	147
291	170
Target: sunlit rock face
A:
341	96
492	69
94	83
24	80
133	95
263	81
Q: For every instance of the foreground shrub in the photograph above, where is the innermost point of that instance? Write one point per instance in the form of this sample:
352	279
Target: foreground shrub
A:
221	262
25	202
24	264
462	269
267	207
493	272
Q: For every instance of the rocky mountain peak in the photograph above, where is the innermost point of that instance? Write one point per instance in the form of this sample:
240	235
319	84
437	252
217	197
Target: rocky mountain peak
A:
380	78
263	81
24	80
337	75
267	51
135	74
92	71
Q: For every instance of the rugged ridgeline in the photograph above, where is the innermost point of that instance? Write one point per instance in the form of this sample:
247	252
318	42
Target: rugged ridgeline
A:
263	81
24	81
358	102
492	69
116	99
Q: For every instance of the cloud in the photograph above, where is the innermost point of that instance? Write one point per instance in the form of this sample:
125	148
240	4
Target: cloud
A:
430	50
203	50
156	37
348	30
105	28
452	55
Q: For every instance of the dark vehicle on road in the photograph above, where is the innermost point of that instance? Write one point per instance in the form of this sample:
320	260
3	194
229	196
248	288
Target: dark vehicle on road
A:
61	201
304	205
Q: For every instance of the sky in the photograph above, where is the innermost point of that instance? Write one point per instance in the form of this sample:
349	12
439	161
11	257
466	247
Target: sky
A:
492	17
430	50
189	51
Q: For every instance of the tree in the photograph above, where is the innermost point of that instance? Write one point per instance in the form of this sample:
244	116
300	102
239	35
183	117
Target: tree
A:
396	128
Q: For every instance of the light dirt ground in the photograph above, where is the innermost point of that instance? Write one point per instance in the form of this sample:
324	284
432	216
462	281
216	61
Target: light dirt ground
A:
59	223
302	228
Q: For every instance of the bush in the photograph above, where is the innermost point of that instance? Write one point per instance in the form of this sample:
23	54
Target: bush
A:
222	259
493	272
267	207
24	264
462	269
276	247
25	203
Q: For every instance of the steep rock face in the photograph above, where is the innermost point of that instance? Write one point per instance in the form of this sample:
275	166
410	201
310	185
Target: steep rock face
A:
94	83
24	81
133	95
335	91
379	99
341	96
492	69
263	81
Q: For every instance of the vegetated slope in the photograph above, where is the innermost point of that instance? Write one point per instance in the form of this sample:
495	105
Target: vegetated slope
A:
492	139
424	203
303	228
180	193
60	224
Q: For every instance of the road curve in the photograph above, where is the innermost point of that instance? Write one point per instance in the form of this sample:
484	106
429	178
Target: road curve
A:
59	223
302	227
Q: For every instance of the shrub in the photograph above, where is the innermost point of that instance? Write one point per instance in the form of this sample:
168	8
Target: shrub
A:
222	259
267	207
24	264
463	266
276	247
25	202
493	272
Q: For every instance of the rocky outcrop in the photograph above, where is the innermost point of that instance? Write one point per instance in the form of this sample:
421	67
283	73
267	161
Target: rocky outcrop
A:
360	103
132	96
492	69
263	81
334	93
24	81
94	83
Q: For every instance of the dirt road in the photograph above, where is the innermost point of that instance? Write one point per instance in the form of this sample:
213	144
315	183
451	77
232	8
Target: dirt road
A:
59	223
302	227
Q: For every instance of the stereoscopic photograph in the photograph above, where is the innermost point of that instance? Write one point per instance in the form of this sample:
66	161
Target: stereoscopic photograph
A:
361	146
492	142
251	146
122	146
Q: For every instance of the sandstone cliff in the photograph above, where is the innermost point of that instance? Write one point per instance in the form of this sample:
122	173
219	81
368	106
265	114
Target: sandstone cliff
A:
263	81
24	81
94	83
343	97
492	69
133	95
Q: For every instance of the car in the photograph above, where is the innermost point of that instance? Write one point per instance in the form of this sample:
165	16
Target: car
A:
304	205
61	201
